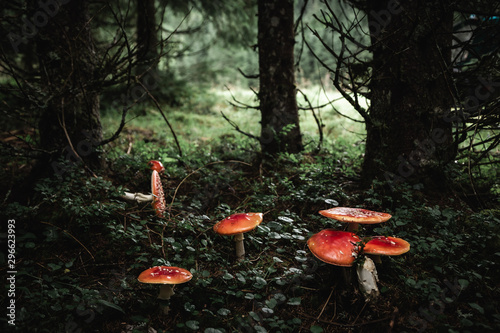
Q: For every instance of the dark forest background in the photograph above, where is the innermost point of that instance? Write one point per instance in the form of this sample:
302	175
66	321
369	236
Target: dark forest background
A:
280	107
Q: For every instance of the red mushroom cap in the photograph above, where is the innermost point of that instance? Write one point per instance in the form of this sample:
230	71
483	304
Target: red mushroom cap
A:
334	247
355	215
389	246
165	275
159	204
156	165
238	223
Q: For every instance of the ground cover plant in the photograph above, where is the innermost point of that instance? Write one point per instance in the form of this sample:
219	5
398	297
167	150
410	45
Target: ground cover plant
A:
80	247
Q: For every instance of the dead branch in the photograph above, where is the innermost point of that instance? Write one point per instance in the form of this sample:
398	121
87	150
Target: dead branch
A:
237	128
318	121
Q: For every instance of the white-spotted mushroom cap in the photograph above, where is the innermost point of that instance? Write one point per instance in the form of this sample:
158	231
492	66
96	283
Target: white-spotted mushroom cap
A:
334	247
388	246
238	223
165	275
355	215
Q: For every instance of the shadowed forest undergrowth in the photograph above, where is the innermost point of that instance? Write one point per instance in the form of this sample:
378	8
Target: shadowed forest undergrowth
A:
80	247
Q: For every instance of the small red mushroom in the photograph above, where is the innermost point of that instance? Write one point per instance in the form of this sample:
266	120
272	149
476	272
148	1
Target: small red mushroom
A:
237	224
156	165
389	246
167	277
373	248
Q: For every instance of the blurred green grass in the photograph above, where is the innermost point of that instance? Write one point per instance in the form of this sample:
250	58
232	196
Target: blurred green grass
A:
199	120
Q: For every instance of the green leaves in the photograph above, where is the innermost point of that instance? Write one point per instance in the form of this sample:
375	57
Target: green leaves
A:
316	329
259	282
224	312
110	305
193	324
477	307
294	301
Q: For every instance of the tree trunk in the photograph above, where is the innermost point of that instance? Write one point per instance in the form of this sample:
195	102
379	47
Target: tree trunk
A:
70	125
147	37
409	136
280	130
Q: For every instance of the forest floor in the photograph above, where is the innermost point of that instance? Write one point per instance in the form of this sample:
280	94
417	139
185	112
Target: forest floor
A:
80	248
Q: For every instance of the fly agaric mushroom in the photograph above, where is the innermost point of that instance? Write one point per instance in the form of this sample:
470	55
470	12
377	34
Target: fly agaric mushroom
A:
389	246
355	216
237	224
341	248
157	196
378	245
159	204
167	277
335	247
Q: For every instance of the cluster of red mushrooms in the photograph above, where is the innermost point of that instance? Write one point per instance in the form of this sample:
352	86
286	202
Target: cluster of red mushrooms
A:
342	248
165	276
169	276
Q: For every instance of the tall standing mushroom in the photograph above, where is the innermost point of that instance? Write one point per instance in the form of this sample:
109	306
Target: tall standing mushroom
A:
355	216
157	195
237	224
159	204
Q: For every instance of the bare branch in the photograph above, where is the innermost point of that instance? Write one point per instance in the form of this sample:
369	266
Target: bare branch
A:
237	128
318	121
248	76
163	115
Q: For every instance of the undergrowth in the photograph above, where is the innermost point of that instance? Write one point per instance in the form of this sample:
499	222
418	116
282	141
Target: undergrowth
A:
80	249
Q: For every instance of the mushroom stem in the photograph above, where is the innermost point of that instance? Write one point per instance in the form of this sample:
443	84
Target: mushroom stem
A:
367	278
166	290
139	197
352	227
376	258
240	247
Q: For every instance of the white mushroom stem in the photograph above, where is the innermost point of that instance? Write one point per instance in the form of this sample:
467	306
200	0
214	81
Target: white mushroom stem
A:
367	278
166	291
139	197
240	247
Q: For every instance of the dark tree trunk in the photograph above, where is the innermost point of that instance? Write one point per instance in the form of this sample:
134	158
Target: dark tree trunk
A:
147	37
409	137
70	125
280	130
